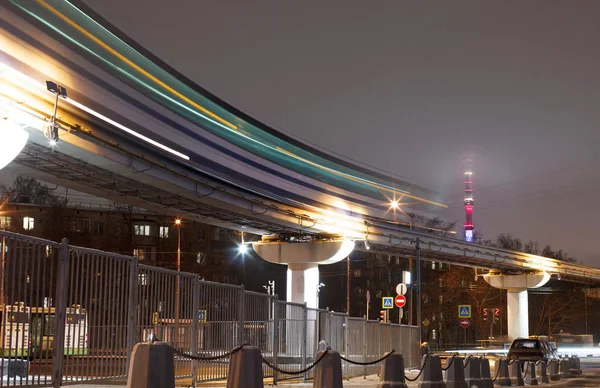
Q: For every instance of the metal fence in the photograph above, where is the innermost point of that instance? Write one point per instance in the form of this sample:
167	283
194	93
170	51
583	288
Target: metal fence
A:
71	314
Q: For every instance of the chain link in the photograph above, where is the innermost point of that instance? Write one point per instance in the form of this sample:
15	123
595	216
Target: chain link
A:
421	371
526	370
497	373
450	364
286	372
213	358
369	362
467	363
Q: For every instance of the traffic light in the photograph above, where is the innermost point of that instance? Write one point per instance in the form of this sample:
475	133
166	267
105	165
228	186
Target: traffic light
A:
383	316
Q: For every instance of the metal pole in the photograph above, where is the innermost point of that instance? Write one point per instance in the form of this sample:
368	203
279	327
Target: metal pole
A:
132	312
418	263
348	285
176	336
195	327
304	341
2	274
62	278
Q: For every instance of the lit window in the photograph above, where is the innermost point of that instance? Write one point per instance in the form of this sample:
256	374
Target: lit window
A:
143	279
139	253
163	232
5	222
141	229
28	223
433	265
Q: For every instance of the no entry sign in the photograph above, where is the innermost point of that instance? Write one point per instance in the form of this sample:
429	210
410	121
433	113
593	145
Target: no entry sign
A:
464	323
400	301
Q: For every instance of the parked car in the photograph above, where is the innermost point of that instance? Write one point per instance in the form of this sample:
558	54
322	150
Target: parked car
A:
531	349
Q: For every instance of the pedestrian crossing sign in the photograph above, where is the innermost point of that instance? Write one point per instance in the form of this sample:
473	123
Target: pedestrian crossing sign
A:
464	311
387	302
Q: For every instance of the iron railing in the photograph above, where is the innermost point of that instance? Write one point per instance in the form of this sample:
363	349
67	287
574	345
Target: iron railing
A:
74	314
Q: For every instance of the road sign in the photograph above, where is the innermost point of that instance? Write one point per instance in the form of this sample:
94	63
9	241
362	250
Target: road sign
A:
426	322
465	322
368	296
401	289
387	302
464	311
202	316
400	301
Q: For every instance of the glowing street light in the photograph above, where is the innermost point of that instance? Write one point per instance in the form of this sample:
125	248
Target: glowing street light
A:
12	140
394	204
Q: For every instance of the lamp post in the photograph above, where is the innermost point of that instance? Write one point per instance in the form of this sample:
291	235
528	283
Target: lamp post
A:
178	224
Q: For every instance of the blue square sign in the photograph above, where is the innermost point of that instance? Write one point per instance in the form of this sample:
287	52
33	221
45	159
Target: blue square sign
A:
387	302
464	311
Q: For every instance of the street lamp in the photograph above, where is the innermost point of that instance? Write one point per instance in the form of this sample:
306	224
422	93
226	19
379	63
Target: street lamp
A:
178	224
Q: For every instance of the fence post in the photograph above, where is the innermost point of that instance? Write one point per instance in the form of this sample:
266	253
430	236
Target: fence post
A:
365	326
132	306
378	342
347	343
305	339
275	336
241	315
62	278
195	327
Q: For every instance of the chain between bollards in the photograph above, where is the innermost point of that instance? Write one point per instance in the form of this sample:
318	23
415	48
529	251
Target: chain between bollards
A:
450	364
286	372
369	362
421	371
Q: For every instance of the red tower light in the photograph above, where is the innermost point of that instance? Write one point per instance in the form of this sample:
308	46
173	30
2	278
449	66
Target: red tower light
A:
468	201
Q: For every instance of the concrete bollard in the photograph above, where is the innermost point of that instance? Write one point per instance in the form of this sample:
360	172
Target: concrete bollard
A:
542	371
473	372
575	368
486	375
432	373
328	372
151	366
554	370
391	374
455	374
502	376
530	376
245	369
565	366
516	374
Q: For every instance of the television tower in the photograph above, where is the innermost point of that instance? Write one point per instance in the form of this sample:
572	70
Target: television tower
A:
468	200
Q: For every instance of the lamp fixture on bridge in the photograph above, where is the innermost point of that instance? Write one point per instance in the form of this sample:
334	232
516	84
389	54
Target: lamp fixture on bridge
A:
51	129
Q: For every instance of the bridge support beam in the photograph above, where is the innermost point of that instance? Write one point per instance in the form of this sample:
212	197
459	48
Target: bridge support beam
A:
303	260
517	311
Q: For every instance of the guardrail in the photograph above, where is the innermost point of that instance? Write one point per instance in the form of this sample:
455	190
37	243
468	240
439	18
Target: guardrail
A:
74	314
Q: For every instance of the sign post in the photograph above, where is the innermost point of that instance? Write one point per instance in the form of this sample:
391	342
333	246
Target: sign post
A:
368	302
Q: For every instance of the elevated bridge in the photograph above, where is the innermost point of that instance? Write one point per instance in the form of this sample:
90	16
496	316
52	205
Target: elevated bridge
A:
133	130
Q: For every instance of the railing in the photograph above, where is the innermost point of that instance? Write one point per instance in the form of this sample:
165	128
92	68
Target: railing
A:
75	314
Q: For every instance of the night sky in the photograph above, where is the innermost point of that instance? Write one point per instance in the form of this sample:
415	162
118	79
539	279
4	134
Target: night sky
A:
412	87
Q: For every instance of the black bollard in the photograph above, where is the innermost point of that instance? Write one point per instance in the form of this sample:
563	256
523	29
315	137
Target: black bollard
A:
455	373
516	374
486	377
542	372
501	367
432	373
151	366
328	372
473	372
392	372
554	370
530	376
245	369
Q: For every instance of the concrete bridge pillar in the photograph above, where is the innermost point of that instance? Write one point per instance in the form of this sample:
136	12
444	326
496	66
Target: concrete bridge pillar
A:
303	260
517	309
